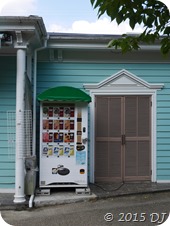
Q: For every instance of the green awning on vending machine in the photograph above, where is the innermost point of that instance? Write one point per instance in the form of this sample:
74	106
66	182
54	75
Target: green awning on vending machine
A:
65	94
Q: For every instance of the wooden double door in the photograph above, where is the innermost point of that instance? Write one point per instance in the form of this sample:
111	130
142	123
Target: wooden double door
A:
122	138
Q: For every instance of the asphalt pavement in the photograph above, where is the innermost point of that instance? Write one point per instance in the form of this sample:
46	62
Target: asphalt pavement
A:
133	210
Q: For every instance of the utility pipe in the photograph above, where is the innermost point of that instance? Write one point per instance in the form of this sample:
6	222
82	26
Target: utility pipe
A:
35	109
19	196
31	201
35	95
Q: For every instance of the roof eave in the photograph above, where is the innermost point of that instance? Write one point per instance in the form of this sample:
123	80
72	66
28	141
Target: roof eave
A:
89	41
32	26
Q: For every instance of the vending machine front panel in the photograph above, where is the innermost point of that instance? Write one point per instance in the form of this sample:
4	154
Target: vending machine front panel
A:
63	145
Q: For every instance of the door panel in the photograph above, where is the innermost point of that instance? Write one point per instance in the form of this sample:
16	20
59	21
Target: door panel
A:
114	161
123	138
130	168
137	161
108	161
102	117
144	116
114	117
130	116
101	160
144	159
137	131
108	139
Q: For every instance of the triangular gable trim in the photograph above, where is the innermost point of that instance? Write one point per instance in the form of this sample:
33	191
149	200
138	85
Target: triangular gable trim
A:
123	77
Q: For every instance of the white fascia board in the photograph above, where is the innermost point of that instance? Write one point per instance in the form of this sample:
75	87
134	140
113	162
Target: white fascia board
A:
17	27
97	46
78	46
150	47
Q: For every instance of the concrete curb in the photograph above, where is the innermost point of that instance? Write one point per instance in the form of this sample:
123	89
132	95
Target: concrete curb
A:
61	198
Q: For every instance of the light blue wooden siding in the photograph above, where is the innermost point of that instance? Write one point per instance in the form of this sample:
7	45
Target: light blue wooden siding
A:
76	74
7	102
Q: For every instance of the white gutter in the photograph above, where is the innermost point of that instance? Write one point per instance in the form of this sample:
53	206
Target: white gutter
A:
98	46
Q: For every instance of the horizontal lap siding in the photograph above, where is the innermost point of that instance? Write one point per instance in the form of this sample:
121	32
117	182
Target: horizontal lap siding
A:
7	103
76	74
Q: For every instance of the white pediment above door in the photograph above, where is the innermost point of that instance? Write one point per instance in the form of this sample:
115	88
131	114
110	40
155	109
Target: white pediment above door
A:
123	80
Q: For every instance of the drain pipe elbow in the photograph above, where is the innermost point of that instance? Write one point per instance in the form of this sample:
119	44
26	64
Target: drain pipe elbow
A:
31	201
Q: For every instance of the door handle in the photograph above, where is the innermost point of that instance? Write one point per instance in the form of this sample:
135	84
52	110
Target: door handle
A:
123	139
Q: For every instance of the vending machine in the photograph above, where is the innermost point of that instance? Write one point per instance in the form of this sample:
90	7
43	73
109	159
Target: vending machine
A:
63	144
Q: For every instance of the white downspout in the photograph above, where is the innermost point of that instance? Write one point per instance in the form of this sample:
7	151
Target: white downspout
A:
34	109
19	196
35	96
31	201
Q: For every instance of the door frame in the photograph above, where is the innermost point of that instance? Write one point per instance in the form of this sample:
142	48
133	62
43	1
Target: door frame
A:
123	83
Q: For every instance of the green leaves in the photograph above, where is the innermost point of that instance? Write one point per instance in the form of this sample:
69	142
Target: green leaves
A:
92	1
132	22
167	31
165	45
126	43
153	15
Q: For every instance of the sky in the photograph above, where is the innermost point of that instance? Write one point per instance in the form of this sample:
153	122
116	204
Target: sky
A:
71	16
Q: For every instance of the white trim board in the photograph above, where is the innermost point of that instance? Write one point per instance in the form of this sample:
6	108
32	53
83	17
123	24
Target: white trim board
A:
163	181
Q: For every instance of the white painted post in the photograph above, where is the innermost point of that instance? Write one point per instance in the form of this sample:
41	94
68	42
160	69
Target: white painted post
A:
19	196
